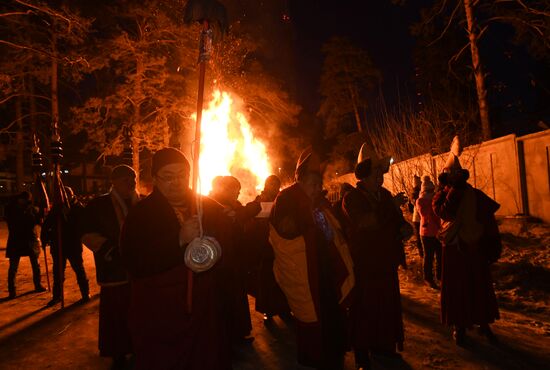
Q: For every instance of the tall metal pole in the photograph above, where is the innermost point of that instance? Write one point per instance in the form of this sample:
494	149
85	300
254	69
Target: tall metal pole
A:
205	49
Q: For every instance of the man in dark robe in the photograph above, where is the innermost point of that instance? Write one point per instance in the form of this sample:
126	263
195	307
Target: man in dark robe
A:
471	243
377	228
23	240
102	222
270	299
175	316
71	246
226	191
312	266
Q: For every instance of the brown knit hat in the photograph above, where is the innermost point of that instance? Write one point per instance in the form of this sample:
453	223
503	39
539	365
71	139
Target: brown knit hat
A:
165	157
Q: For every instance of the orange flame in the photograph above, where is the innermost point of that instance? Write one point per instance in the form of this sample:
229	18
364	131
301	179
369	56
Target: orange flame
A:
228	147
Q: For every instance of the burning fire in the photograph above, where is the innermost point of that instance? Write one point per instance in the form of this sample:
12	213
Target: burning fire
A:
228	147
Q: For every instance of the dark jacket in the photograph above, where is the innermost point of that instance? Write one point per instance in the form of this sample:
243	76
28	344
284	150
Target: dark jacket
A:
70	223
100	229
22	239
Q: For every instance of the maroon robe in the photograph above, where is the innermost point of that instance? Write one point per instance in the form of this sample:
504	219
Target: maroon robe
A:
377	251
321	344
467	293
164	334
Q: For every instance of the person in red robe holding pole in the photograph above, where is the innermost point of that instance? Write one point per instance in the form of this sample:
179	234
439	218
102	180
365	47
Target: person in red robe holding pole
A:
169	331
471	243
312	266
377	228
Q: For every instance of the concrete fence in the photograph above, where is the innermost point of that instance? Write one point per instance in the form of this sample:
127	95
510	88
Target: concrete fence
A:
514	171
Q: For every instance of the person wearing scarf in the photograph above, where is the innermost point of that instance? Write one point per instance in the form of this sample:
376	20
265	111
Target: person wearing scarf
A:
100	229
169	331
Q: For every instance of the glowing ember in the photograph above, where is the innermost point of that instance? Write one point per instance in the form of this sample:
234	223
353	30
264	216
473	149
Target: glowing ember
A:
228	147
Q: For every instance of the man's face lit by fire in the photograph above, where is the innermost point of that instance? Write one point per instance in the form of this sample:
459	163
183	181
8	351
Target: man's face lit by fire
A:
172	181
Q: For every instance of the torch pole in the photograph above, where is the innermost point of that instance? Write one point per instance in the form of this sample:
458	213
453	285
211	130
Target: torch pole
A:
47	272
203	58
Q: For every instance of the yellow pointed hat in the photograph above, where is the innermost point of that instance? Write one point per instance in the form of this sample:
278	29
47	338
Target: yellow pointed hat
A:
367	153
453	164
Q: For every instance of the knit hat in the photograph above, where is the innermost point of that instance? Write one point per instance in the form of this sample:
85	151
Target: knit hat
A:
165	157
427	185
122	170
309	162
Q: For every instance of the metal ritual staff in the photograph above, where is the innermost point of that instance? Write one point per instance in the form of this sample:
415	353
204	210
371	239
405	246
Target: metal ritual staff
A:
61	204
206	12
39	194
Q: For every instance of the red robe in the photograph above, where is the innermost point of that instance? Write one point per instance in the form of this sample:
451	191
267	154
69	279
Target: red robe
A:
164	335
467	293
377	251
321	343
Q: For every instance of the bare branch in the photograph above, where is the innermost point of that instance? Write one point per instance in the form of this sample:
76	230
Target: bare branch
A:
451	18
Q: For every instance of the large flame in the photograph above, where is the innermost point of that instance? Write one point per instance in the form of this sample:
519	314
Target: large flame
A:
228	147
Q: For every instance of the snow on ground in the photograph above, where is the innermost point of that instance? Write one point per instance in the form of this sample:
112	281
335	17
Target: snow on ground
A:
35	337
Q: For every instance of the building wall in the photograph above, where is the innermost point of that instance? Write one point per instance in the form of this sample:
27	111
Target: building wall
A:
513	171
536	156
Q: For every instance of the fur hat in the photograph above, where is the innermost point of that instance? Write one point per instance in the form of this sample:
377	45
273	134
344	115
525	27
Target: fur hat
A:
427	185
165	157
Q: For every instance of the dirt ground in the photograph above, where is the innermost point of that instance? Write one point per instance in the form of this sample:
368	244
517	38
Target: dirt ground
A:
35	337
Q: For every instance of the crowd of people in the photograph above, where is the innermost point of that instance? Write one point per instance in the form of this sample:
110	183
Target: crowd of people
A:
175	268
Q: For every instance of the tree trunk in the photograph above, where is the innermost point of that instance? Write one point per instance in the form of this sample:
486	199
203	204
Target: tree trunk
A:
32	106
20	148
478	71
355	109
138	98
135	159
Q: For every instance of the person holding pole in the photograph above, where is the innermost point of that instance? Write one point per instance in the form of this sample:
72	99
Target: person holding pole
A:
71	246
169	330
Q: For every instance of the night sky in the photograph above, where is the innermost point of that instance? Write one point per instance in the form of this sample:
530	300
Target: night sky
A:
379	27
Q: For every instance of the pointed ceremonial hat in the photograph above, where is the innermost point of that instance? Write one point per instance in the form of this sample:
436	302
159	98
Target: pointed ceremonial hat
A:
453	164
367	153
309	161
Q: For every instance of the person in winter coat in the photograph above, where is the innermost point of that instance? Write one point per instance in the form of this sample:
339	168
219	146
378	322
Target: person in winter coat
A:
415	215
377	231
429	228
471	243
103	220
70	243
226	191
23	239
